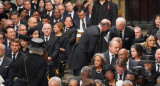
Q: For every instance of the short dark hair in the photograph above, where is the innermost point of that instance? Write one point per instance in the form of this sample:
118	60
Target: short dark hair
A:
121	62
45	16
5	31
14	13
16	40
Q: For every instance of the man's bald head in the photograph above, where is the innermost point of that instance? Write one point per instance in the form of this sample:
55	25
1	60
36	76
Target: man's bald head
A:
105	24
32	22
123	53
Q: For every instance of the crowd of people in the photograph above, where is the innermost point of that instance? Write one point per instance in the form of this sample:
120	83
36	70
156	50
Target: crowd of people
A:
40	38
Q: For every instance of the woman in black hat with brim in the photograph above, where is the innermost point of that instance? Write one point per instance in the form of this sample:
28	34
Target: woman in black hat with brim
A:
24	40
35	65
149	63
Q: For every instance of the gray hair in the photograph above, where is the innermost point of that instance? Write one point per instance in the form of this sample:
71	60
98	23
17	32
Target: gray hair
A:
137	27
7	21
19	26
112	42
87	69
3	46
79	1
98	81
73	80
57	79
127	82
61	5
104	60
121	19
118	39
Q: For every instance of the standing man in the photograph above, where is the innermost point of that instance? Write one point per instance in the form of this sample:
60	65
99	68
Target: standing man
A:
121	30
87	46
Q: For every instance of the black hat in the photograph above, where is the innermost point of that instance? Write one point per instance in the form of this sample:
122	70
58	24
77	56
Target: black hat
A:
36	44
31	31
158	34
141	72
148	58
24	37
107	67
20	82
146	36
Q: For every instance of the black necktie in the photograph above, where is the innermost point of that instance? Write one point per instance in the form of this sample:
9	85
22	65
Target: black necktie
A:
112	61
46	39
70	15
83	25
121	34
14	58
120	77
67	29
158	67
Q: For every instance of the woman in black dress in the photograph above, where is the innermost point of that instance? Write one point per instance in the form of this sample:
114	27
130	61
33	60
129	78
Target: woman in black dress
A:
155	26
137	54
24	40
97	71
58	31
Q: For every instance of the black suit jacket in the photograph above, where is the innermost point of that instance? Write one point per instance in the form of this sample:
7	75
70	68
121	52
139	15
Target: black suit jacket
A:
71	35
17	66
77	22
123	78
110	11
75	15
128	38
83	50
53	47
106	54
4	68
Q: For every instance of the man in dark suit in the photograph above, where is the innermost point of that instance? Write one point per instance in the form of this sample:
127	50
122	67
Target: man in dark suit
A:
56	17
15	18
8	7
18	59
27	6
111	53
70	10
82	22
5	63
157	58
120	68
62	11
85	48
51	44
19	4
121	30
10	34
49	8
70	31
47	36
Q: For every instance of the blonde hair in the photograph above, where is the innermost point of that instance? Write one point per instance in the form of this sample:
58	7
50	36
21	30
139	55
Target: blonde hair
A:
60	25
145	44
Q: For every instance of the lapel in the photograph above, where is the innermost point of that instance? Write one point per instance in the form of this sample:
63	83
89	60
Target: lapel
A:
3	65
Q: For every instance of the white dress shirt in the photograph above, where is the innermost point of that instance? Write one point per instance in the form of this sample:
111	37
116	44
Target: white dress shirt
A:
1	60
